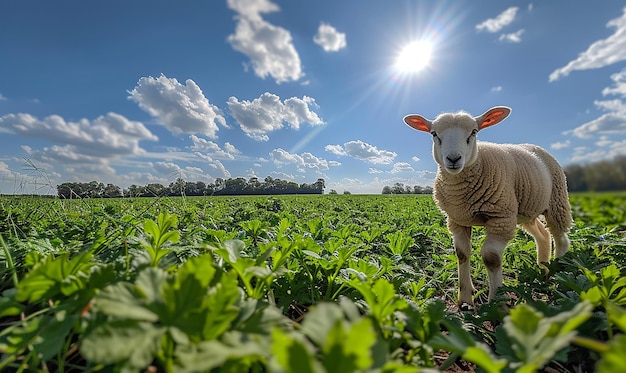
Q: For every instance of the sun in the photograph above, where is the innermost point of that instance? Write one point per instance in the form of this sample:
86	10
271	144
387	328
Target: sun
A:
414	57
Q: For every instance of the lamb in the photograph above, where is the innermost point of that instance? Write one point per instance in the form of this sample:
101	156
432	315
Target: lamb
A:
496	186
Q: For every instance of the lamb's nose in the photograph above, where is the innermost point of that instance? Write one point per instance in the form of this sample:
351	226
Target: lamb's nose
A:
453	158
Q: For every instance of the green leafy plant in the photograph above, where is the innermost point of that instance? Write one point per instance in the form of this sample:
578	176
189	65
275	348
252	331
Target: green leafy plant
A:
158	235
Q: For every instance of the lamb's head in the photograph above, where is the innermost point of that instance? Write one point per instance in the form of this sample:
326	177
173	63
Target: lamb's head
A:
454	135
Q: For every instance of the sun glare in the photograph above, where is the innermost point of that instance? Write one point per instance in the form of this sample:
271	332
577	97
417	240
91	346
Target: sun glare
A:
414	57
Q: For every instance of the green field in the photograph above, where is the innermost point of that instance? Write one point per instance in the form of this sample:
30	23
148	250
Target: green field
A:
331	283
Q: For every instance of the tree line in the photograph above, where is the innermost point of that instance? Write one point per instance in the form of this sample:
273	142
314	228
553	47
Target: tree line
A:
230	186
608	175
400	188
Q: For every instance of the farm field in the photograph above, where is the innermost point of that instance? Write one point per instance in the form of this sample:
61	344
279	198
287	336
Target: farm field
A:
320	283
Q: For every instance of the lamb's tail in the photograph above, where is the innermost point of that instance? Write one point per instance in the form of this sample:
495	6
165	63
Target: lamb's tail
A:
560	211
559	214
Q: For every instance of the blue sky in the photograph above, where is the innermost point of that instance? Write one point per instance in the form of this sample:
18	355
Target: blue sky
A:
148	91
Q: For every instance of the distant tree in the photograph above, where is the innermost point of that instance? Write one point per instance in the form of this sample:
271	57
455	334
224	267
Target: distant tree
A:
134	191
607	175
400	188
333	191
346	192
112	191
177	188
92	189
320	185
66	191
154	190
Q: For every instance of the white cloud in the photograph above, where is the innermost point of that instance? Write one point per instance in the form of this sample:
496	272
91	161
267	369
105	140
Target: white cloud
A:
212	149
415	159
514	37
2	98
268	113
496	88
619	88
601	53
502	20
302	161
180	108
401	167
269	47
560	145
614	120
363	151
108	136
172	171
604	141
329	38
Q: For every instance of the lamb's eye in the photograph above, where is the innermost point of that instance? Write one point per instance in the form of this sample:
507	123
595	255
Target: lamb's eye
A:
471	135
435	137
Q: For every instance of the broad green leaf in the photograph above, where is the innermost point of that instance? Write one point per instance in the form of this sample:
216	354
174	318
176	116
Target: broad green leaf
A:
483	357
52	335
133	344
21	337
141	301
231	250
292	354
184	294
9	306
45	335
536	338
257	317
593	295
149	284
207	355
335	356
617	314
320	320
200	268
359	342
525	327
381	298
52	276
221	310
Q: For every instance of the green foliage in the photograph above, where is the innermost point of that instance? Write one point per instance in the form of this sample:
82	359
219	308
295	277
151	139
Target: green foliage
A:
159	234
296	284
530	339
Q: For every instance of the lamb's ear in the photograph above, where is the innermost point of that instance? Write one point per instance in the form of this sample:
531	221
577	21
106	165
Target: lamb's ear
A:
492	116
418	122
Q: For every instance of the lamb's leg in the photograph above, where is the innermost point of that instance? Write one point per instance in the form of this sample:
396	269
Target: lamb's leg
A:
542	240
559	233
463	247
561	244
491	252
